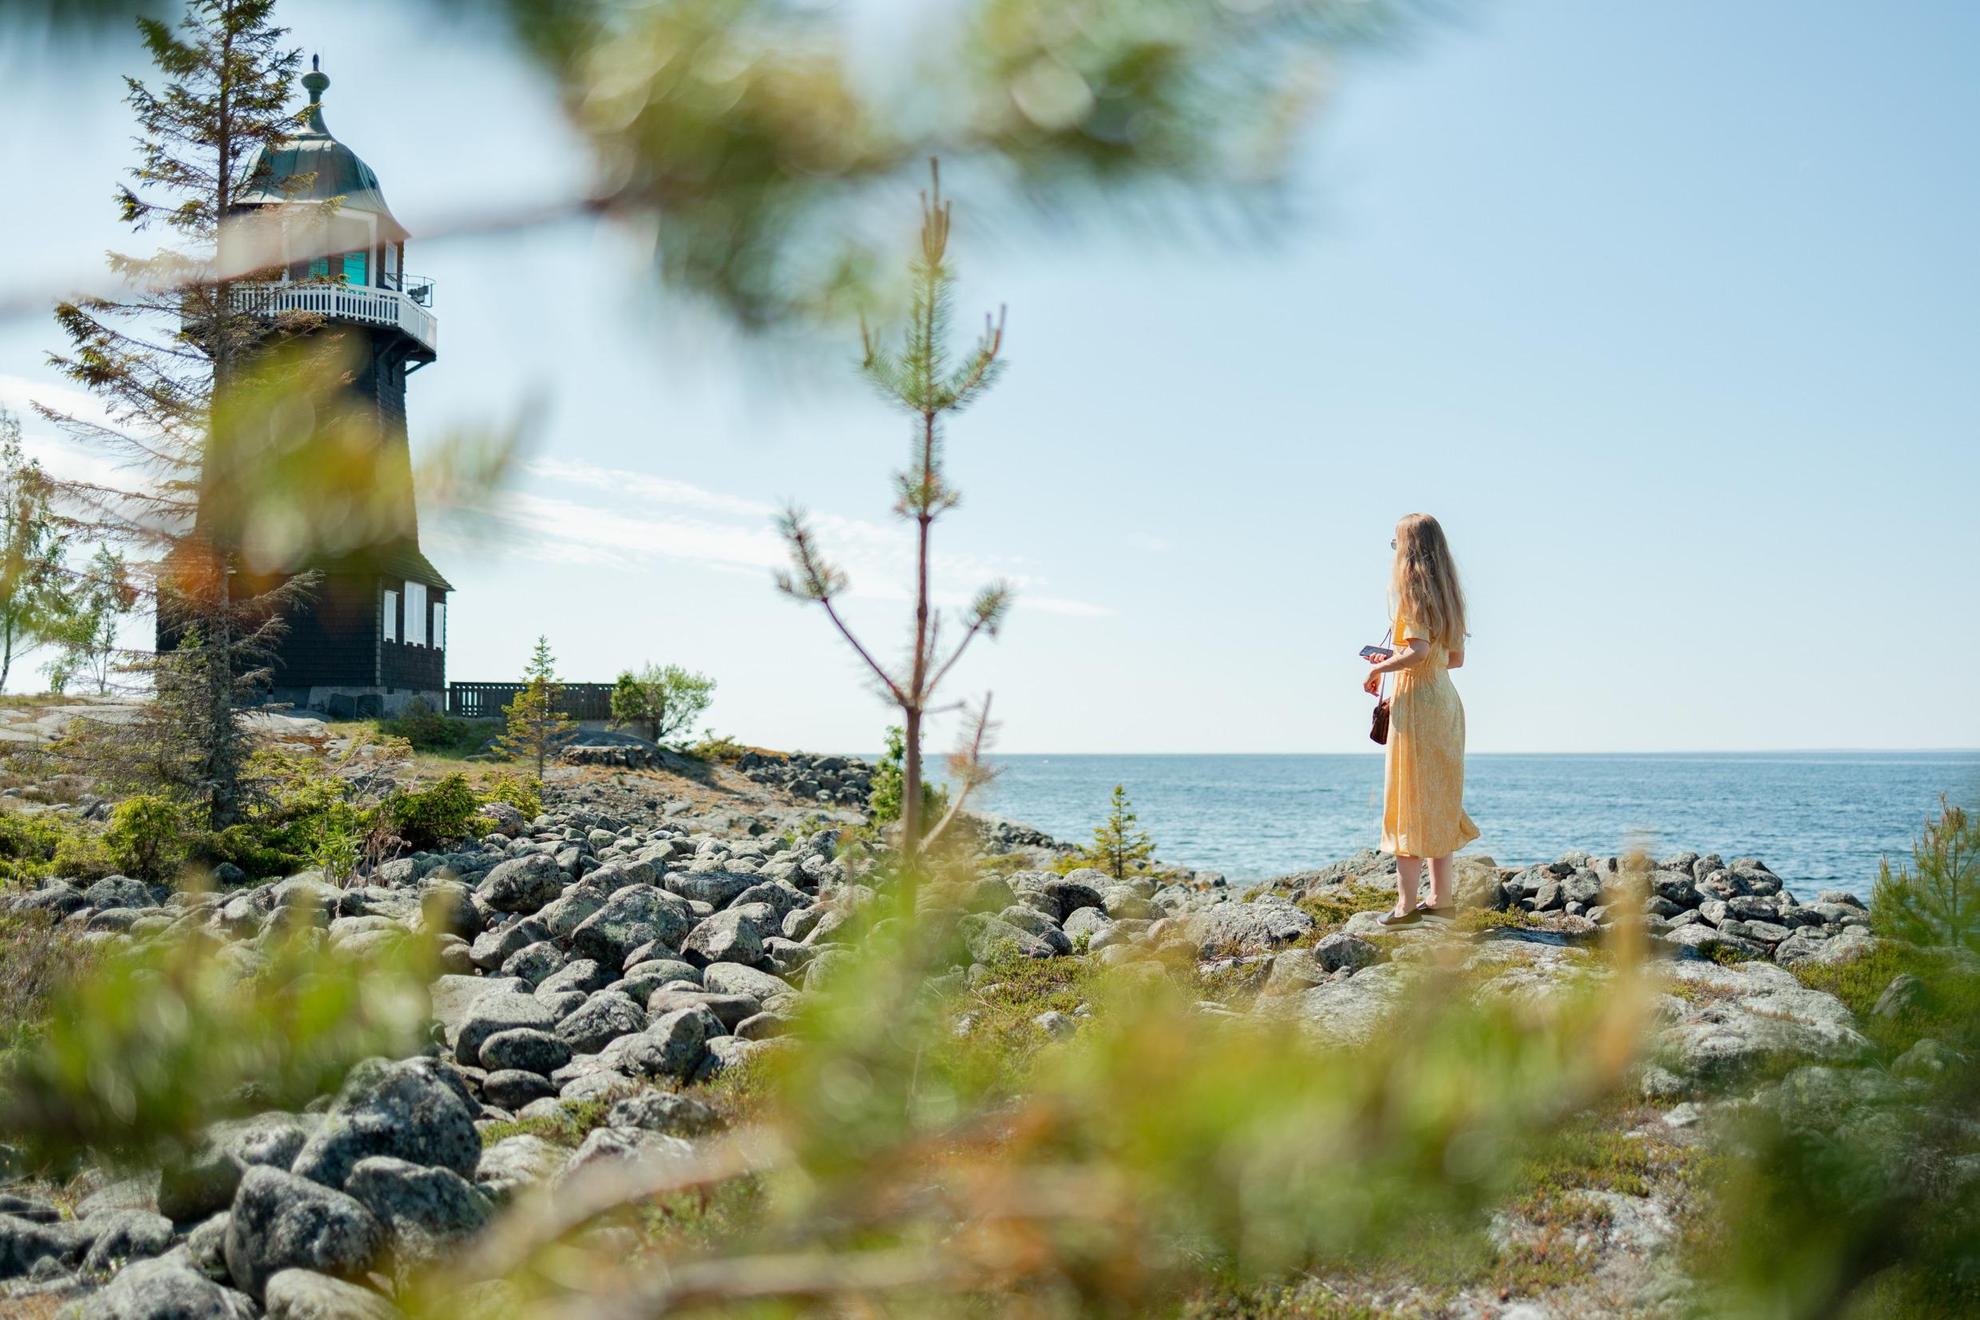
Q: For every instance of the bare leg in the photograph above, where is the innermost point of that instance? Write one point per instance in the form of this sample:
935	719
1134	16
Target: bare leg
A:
1409	871
1443	881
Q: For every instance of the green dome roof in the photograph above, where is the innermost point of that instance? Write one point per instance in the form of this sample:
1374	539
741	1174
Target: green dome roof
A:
312	166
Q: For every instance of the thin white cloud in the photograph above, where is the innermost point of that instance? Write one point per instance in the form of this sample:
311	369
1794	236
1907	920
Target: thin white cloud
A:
643	517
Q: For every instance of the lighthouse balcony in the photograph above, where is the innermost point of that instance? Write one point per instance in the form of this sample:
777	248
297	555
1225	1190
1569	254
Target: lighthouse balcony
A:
408	309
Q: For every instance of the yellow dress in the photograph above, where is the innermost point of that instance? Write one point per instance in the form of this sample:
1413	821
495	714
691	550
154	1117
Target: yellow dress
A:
1423	798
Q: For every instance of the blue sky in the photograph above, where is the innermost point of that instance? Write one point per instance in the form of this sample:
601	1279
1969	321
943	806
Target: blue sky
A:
1669	312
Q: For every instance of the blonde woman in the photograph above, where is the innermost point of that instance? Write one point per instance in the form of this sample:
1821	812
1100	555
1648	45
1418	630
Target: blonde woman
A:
1423	795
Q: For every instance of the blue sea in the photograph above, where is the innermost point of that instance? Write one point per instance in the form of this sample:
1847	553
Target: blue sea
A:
1821	820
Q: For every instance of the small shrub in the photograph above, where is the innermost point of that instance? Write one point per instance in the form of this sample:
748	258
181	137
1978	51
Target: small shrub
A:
1935	900
427	730
35	847
717	748
35	958
149	837
524	794
428	817
1120	846
889	778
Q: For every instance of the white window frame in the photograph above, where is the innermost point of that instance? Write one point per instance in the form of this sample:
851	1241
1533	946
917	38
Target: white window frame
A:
439	625
390	613
415	614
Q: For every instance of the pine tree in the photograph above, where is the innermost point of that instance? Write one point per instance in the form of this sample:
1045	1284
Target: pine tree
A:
536	727
179	359
1935	900
1119	847
921	381
35	600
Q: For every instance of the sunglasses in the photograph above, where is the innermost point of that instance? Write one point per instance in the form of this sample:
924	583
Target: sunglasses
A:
1392	543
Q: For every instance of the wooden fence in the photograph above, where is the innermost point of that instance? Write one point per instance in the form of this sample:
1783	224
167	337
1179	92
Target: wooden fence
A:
484	701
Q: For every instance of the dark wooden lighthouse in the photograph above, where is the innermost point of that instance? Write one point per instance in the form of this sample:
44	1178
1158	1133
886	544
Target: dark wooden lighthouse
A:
371	637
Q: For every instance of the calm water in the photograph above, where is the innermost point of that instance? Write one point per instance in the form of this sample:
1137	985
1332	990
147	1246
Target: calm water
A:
1821	820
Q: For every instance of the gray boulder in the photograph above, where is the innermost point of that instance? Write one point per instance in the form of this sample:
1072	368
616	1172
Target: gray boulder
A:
988	938
513	1088
534	962
307	1295
204	1183
408	1110
24	1244
1736	1018
521	884
1259	926
630	918
492	948
1341	951
123	1236
735	935
672	1045
525	1048
495	1013
600	1020
514	1163
165	1290
583	975
281	1221
728	978
423	1210
715	888
664	1111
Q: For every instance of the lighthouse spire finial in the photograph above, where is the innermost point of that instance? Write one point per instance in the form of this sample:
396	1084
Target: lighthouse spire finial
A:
314	82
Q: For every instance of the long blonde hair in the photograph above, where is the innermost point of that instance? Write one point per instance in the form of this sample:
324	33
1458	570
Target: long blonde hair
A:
1424	581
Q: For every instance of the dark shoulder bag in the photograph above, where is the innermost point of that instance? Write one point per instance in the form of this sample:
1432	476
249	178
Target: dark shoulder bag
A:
1378	729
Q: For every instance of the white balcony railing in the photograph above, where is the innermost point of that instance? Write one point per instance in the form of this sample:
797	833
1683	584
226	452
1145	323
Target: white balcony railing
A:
345	302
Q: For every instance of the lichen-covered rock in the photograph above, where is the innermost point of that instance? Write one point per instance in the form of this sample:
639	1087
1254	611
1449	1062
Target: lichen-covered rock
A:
495	1013
407	1109
514	1163
525	1048
632	917
164	1290
664	1111
1258	926
521	884
672	1044
424	1210
24	1244
735	935
988	938
599	1021
1736	1017
297	1294
123	1236
729	978
205	1181
281	1221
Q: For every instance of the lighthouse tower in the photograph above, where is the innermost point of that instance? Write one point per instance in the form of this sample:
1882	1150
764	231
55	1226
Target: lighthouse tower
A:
372	636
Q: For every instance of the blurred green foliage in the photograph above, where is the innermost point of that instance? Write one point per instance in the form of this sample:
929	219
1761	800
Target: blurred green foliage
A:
157	1040
427	730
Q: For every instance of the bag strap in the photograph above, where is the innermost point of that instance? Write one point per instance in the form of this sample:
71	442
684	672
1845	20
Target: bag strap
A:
1384	678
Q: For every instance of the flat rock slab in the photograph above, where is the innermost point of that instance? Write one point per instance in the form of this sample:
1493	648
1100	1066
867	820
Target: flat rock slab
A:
1723	1020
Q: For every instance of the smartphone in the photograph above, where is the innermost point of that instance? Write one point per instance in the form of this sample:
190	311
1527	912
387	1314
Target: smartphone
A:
1378	652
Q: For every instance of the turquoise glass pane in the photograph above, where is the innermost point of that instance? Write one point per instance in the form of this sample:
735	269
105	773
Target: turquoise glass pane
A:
319	269
356	267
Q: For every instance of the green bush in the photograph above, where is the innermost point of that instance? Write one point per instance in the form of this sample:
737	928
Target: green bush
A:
520	792
430	731
889	780
148	837
35	847
428	817
717	748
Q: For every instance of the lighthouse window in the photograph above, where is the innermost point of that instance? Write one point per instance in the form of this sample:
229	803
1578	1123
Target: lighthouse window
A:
357	267
389	616
440	625
415	614
319	269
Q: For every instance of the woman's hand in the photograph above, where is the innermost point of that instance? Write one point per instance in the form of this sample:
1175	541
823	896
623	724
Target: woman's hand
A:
1372	685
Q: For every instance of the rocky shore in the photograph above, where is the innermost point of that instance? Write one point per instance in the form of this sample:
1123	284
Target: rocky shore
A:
623	951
